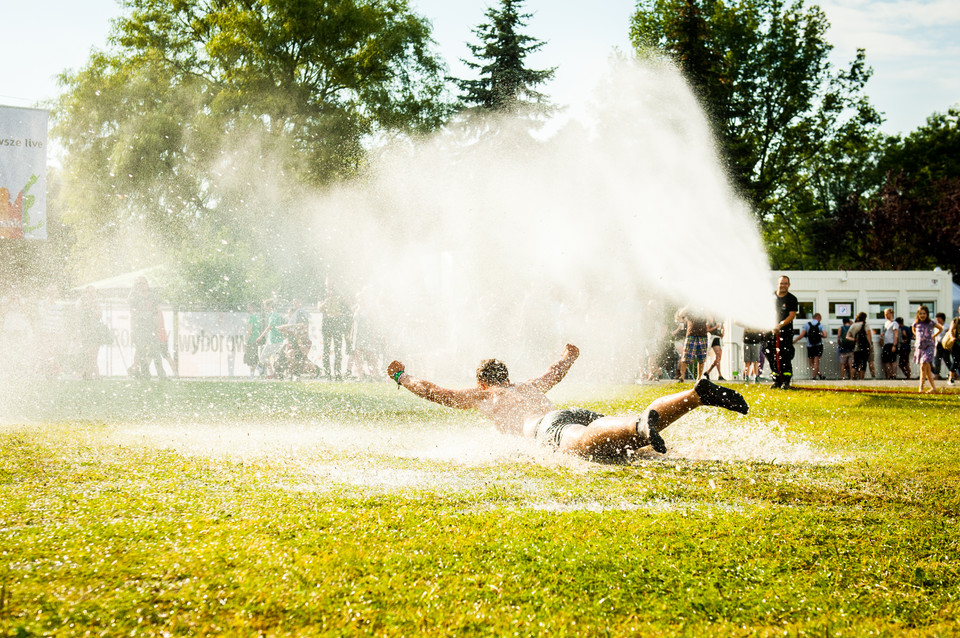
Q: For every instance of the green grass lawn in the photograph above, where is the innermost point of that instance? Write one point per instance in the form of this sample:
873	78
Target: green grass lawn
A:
191	508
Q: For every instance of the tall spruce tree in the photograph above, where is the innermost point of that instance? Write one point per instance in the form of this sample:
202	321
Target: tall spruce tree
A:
505	83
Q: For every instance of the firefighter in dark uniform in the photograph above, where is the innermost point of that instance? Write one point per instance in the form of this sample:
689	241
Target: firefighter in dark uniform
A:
778	343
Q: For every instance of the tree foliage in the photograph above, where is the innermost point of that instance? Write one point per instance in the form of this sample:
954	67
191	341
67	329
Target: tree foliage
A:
911	220
781	112
182	128
505	83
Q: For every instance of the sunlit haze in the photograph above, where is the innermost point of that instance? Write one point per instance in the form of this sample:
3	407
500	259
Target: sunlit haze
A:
510	248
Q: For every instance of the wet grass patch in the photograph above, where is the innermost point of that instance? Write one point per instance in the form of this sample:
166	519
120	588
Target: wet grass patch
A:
147	510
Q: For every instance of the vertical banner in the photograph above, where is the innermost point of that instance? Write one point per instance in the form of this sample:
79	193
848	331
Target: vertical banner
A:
23	173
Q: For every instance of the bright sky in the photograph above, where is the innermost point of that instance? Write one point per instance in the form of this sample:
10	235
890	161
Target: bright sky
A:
912	45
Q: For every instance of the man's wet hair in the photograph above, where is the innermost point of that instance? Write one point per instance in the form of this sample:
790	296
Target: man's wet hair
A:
492	372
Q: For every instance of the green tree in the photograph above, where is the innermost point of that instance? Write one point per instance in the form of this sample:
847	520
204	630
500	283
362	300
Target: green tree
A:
843	176
505	83
930	153
781	112
183	131
911	219
687	38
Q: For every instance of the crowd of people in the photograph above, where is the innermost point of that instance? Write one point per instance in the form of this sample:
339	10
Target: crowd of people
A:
932	344
53	338
50	338
278	345
58	338
62	338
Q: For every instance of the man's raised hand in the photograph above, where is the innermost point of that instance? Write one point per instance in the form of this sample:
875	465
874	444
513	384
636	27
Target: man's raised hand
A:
393	368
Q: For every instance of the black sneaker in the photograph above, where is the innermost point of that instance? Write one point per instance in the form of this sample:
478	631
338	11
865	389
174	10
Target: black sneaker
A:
712	394
653	434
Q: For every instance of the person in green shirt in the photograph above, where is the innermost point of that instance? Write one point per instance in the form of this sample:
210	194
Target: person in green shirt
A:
273	338
251	352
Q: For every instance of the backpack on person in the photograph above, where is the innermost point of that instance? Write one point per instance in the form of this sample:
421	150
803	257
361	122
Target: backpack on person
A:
949	338
850	336
814	336
862	343
906	335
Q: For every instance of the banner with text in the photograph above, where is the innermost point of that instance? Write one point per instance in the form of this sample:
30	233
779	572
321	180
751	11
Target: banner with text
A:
204	344
210	344
23	173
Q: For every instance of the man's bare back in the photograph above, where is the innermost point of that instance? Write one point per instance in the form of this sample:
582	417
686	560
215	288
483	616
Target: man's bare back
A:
515	408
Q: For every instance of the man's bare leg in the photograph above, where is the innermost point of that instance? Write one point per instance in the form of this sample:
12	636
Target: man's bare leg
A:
613	435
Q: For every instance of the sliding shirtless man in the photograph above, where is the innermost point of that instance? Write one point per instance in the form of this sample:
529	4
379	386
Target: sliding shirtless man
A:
523	408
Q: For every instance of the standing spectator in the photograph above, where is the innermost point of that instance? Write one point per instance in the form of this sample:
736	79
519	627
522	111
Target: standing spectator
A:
678	338
925	333
891	340
871	356
668	360
695	344
942	355
16	333
655	328
751	354
91	332
814	333
861	335
251	348
164	338
903	348
845	350
668	356
365	342
334	328
298	315
652	361
272	338
296	364
50	340
778	343
715	331
955	351
143	330
952	339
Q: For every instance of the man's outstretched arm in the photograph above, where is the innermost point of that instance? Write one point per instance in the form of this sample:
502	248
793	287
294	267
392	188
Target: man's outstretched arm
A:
558	370
461	399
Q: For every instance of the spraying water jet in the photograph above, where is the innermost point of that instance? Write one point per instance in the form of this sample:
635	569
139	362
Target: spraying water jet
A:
507	246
